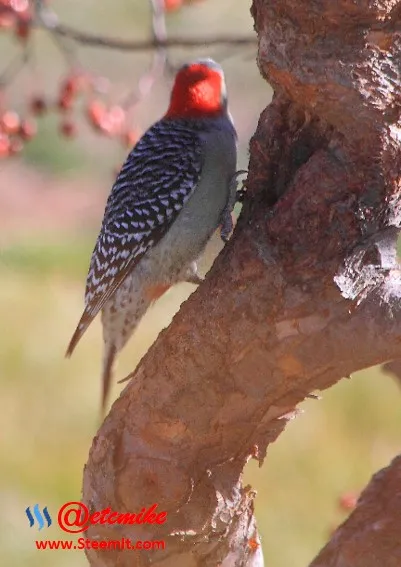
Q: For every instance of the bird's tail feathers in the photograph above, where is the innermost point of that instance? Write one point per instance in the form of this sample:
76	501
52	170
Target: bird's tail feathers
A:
108	363
83	324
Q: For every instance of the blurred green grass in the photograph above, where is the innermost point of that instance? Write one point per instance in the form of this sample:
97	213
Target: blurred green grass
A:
66	257
50	405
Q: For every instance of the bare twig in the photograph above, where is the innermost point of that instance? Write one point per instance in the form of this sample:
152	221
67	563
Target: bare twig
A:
14	67
159	60
94	40
44	16
158	42
48	19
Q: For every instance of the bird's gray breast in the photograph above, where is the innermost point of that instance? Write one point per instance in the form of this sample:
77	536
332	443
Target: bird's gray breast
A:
200	216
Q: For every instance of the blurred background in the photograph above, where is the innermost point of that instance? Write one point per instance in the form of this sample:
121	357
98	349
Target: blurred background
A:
51	204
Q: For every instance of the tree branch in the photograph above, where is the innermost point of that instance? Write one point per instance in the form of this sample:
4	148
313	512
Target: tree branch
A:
371	536
159	59
48	20
92	40
307	291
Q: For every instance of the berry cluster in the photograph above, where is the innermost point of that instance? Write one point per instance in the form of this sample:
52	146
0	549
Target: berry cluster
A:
17	16
76	88
108	120
14	131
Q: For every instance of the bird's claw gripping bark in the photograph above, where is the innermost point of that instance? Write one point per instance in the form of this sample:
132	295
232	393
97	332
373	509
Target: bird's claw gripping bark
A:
240	193
226	220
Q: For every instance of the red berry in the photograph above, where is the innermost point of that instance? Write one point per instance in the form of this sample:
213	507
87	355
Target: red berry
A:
106	125
6	20
4	146
38	105
116	116
10	122
19	5
68	129
69	90
73	84
109	122
70	85
130	138
16	146
23	25
65	102
27	129
172	5
96	111
348	501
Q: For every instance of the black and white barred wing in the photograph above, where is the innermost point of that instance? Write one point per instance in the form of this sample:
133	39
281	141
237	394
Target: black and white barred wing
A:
157	179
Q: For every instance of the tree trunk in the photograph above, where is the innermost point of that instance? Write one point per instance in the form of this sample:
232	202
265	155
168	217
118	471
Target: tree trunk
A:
307	291
371	537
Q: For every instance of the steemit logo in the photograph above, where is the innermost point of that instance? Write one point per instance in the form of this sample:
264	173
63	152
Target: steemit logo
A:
39	516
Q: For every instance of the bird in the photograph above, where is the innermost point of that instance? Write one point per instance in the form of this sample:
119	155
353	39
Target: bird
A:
175	189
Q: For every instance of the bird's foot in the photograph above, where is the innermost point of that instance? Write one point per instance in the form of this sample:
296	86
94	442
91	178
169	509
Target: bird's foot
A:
226	220
130	375
239	193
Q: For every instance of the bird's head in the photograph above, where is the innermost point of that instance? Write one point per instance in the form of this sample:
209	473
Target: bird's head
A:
199	91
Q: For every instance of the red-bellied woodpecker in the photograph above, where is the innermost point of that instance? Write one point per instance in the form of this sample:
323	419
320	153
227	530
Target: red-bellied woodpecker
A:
175	188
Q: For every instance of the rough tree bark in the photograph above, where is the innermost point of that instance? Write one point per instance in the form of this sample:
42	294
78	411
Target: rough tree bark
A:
306	292
372	534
